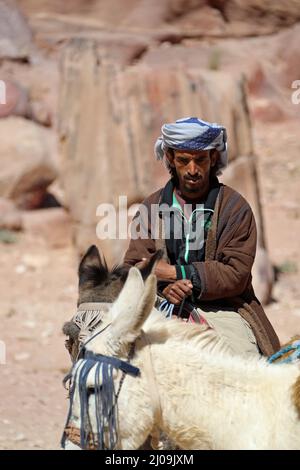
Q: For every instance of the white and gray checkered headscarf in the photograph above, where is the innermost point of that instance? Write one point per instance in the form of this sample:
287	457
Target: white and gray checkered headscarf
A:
193	134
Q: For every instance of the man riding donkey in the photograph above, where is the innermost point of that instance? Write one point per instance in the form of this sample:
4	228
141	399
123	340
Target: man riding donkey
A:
208	235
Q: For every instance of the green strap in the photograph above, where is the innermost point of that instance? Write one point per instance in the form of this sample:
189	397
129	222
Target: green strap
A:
183	272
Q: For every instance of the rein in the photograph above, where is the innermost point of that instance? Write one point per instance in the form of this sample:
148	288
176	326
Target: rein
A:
287	354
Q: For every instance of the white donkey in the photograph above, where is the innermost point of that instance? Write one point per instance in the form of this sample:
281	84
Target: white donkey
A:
201	397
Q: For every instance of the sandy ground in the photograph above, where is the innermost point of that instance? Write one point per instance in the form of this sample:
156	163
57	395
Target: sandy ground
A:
39	290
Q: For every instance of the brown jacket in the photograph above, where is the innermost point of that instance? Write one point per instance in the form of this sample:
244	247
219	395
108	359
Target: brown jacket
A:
226	272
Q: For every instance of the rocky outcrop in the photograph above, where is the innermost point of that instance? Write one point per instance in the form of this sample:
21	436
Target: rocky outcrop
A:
260	12
16	100
15	35
223	18
288	55
27	166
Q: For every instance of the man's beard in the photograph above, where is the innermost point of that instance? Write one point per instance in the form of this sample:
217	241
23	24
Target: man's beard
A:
191	189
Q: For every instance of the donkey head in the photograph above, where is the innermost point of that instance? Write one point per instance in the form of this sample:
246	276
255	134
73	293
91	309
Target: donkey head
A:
121	326
126	316
98	284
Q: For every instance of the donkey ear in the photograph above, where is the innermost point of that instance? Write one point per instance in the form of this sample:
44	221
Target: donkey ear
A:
146	303
90	265
127	325
129	297
150	266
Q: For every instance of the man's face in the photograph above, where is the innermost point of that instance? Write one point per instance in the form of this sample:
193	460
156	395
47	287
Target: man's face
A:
193	170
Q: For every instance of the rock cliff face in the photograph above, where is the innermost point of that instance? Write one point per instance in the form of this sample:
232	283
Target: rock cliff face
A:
27	166
15	35
208	17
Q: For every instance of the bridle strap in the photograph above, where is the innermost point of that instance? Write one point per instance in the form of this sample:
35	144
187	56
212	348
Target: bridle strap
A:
92	305
89	315
115	362
82	349
157	411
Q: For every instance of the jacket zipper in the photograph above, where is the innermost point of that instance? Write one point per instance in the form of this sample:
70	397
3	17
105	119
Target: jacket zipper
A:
176	205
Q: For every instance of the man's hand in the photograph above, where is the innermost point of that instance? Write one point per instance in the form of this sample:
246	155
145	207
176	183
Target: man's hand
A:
163	270
178	290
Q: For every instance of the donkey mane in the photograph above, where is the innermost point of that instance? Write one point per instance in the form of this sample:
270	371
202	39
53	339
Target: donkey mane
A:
159	330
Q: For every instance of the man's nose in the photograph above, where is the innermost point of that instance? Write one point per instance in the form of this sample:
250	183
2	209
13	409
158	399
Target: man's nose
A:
192	168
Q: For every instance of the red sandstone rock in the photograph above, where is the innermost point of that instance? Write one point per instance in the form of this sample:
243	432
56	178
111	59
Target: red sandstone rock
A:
15	35
27	165
17	102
